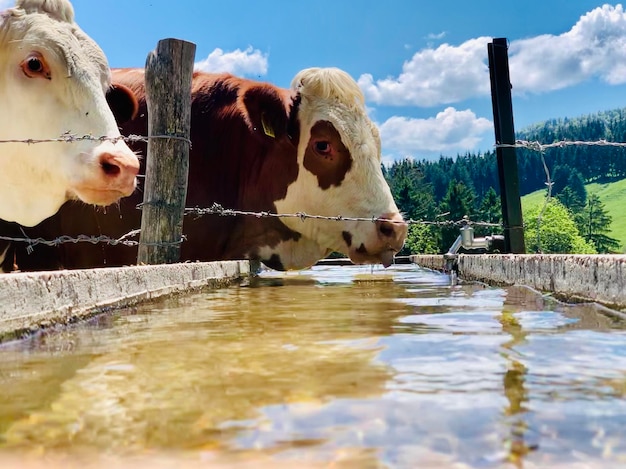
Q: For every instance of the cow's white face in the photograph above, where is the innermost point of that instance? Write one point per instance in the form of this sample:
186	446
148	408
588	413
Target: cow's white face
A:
53	80
339	156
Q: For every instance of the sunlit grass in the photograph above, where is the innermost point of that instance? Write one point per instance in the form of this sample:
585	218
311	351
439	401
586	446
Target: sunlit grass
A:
612	195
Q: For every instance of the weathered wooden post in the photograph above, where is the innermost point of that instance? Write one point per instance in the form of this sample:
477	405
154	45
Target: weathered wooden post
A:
169	70
506	156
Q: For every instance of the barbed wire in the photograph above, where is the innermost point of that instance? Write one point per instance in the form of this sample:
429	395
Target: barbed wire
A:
69	137
217	209
542	147
72	138
91	239
68	239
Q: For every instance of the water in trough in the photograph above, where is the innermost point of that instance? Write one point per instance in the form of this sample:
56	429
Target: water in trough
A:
333	367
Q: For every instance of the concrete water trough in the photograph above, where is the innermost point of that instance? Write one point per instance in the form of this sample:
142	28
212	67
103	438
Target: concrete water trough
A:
573	278
32	301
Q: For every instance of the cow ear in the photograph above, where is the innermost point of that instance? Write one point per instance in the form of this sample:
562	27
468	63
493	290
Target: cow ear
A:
266	111
122	102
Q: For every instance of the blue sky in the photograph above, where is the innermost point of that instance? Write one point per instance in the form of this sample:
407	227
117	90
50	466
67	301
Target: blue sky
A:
422	65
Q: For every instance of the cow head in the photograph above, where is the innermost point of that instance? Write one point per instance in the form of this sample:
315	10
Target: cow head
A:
53	79
339	159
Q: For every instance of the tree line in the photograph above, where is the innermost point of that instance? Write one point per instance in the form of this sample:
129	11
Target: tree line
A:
449	188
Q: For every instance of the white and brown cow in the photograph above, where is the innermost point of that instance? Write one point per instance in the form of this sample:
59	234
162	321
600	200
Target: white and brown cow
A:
53	80
257	147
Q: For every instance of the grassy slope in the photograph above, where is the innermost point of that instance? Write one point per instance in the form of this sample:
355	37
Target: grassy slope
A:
612	195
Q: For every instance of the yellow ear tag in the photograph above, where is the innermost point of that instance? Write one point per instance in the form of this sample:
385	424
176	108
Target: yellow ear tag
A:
267	128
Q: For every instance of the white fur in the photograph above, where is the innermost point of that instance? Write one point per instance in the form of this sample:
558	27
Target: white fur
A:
36	179
295	255
332	95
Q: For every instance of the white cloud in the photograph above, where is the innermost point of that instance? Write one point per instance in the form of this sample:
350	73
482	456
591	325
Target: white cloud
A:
238	62
449	132
443	75
595	47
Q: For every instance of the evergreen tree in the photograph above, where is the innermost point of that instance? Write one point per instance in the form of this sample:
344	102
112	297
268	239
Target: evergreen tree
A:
457	203
560	177
576	183
404	195
412	194
596	224
571	200
490	211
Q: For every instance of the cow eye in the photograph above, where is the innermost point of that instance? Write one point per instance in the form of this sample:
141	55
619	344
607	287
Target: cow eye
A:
323	147
35	66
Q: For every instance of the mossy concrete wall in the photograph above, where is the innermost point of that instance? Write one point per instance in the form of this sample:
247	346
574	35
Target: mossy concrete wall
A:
595	278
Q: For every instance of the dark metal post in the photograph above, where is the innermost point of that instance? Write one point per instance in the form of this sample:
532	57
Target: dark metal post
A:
506	157
169	70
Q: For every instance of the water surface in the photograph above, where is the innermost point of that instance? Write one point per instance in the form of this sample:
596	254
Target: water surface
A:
333	367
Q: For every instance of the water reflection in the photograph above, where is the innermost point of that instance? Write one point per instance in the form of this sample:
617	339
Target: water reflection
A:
514	383
332	367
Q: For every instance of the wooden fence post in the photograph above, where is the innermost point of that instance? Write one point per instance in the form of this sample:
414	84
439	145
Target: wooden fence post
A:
169	70
506	156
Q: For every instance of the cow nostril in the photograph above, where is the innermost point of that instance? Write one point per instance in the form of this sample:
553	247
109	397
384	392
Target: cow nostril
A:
386	229
110	169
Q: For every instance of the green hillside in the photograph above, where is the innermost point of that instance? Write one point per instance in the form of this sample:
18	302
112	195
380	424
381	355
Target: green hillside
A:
612	195
444	187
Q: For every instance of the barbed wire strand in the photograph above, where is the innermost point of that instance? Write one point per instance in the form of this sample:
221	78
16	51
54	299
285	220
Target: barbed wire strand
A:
542	147
69	137
218	210
102	239
72	138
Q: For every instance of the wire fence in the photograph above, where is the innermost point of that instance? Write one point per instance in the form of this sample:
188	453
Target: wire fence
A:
214	209
542	147
217	209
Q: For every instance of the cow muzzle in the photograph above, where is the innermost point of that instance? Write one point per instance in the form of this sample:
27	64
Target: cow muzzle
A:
116	177
389	237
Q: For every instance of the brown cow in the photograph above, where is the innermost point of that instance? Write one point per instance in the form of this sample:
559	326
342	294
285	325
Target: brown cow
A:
257	147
